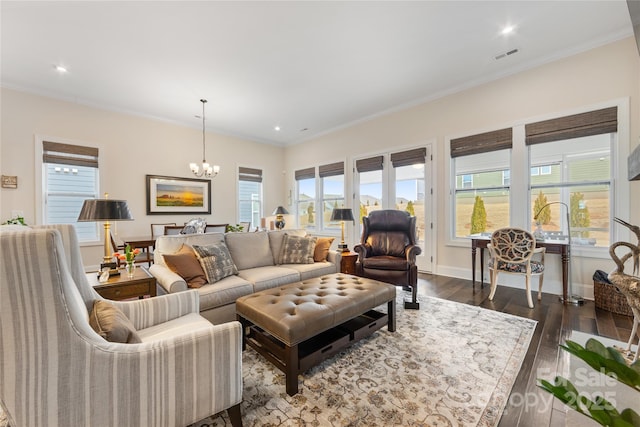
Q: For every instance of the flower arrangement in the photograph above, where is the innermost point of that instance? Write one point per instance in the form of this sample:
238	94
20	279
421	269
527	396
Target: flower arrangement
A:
129	254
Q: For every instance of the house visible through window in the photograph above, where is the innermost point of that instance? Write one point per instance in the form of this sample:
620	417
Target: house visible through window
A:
70	176
332	190
306	197
250	196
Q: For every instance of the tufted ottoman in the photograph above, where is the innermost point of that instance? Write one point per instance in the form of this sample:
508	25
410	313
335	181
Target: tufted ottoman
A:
297	326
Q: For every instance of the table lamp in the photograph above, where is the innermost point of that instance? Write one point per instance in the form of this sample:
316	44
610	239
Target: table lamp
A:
279	212
342	215
105	210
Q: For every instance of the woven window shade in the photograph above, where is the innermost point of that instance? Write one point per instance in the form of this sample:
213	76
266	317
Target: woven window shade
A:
575	126
370	164
482	143
68	154
249	174
409	157
332	169
305	173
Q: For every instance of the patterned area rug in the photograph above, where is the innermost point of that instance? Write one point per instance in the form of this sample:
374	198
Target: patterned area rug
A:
448	364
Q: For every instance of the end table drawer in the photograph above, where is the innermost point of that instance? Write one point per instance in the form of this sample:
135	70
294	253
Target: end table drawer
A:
123	292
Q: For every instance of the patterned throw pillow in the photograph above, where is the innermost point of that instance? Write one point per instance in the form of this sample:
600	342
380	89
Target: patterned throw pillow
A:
297	250
216	261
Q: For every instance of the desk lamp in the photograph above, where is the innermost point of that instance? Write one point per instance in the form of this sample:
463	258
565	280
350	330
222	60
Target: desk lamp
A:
105	210
342	215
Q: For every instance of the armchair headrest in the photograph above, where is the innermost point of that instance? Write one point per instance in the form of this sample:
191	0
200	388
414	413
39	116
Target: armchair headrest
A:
384	221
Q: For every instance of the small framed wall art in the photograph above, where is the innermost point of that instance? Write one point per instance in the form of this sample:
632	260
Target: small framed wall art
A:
9	181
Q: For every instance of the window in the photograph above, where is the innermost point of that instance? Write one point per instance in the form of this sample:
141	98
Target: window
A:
332	190
482	176
70	175
577	151
306	197
249	195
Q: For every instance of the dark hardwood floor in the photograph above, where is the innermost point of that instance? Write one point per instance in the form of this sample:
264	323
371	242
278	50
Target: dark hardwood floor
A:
528	405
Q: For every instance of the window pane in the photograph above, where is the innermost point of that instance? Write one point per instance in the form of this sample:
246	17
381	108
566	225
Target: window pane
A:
410	195
306	205
67	187
482	181
580	178
332	197
370	192
250	202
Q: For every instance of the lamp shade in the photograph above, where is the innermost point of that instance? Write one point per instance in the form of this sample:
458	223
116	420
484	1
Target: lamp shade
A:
104	210
342	214
280	211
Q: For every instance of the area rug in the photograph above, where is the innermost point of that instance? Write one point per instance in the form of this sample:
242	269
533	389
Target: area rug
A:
448	364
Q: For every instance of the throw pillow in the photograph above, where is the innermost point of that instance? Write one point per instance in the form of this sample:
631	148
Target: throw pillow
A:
111	323
323	244
216	261
297	250
185	264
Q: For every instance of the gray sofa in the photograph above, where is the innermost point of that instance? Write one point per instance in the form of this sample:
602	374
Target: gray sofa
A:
255	255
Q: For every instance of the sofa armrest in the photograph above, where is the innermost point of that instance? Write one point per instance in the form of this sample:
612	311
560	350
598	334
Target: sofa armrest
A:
170	281
144	313
335	257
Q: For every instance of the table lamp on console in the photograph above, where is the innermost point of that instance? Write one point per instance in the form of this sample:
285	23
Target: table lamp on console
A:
105	210
280	212
342	215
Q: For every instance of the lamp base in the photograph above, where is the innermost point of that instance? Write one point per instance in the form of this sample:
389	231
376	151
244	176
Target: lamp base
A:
113	268
342	247
573	299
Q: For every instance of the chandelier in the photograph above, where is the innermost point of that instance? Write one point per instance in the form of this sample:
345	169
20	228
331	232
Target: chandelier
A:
205	169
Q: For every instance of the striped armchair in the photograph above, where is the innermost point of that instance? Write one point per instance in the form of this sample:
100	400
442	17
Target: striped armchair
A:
56	371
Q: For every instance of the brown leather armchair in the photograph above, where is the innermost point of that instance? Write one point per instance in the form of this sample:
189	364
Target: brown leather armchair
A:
388	250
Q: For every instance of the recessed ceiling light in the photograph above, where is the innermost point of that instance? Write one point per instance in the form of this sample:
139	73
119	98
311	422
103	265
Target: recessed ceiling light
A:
60	69
276	128
508	30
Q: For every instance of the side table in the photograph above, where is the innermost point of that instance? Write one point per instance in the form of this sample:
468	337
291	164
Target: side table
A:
121	287
348	262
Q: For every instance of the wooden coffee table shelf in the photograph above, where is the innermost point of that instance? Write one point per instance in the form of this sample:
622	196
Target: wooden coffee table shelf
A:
121	287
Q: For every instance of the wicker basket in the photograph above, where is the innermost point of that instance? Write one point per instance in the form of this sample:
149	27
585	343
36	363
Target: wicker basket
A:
608	297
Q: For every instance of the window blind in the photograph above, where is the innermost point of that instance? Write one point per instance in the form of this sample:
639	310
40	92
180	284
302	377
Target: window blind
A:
305	173
249	174
409	157
332	169
482	143
370	164
574	126
68	154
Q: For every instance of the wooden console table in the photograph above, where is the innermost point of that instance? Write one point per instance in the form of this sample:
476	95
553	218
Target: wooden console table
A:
560	247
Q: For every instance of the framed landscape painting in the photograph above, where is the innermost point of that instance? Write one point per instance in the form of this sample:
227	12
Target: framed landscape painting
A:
169	195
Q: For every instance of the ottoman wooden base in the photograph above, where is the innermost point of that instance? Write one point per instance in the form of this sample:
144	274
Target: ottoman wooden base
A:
348	300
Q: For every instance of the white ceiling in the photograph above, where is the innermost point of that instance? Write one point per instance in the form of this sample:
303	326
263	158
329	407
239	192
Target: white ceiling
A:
308	67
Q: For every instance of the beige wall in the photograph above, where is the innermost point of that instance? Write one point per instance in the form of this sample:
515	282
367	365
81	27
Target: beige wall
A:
130	147
598	76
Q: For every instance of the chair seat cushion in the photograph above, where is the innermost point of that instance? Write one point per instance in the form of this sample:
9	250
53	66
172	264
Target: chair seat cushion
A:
512	267
385	262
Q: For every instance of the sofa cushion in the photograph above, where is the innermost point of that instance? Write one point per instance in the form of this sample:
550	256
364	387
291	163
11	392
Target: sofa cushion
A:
186	265
224	292
269	277
309	271
249	250
276	239
216	261
111	323
321	252
297	250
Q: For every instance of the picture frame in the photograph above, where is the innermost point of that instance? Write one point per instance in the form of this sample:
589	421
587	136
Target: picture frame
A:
168	195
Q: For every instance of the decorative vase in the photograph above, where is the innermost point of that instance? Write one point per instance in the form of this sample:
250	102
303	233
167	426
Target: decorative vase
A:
130	269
